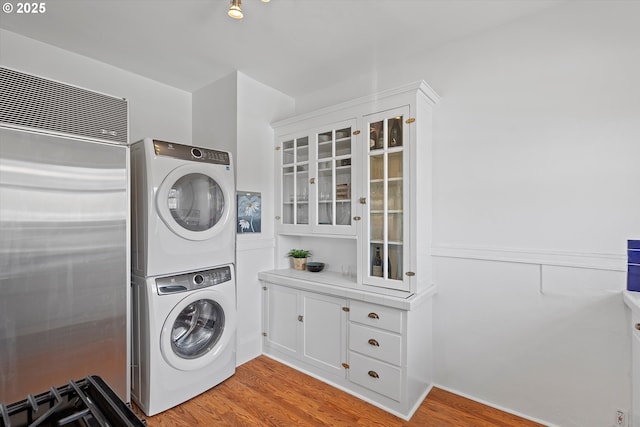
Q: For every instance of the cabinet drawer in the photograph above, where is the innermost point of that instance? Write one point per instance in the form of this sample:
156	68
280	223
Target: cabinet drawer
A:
375	375
375	315
375	343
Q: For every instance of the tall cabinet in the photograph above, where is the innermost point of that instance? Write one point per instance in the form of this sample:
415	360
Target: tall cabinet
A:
354	187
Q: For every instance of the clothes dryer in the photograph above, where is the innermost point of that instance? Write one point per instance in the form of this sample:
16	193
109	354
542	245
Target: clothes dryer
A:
184	336
183	208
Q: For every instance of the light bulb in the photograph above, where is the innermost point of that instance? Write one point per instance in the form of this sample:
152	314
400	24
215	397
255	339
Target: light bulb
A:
234	11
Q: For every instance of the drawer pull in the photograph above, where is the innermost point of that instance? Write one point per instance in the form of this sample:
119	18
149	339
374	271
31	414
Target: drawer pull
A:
373	316
373	374
638	326
300	318
374	343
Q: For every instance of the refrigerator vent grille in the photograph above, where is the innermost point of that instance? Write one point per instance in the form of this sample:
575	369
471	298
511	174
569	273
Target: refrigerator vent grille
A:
46	105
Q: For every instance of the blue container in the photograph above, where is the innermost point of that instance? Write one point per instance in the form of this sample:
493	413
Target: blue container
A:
633	277
633	244
633	256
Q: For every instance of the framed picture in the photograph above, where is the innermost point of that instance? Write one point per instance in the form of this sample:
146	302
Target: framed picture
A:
249	212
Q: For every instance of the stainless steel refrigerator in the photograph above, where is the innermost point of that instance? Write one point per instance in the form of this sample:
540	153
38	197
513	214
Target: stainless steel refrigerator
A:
64	260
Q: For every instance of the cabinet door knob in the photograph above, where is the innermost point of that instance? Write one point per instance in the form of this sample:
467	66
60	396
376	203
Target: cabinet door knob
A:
312	180
300	318
356	218
374	343
638	326
363	200
373	374
373	316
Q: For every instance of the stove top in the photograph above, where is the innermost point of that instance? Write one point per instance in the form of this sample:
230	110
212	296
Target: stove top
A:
85	403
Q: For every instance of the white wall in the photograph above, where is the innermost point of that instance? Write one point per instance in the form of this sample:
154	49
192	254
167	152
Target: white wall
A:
258	106
234	113
215	115
155	109
535	170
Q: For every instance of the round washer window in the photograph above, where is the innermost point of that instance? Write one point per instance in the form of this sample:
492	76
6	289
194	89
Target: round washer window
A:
196	202
197	329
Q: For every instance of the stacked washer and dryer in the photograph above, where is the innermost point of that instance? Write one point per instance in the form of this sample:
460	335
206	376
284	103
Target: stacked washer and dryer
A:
183	278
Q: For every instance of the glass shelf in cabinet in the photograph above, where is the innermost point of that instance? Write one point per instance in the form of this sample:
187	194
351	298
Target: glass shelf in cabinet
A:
343	133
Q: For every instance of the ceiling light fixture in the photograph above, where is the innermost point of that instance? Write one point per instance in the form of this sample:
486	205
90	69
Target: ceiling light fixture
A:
235	10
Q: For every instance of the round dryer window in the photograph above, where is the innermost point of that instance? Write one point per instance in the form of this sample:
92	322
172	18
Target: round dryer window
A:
196	202
197	329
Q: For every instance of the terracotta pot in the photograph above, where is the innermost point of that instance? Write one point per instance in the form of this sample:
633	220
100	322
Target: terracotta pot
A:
300	263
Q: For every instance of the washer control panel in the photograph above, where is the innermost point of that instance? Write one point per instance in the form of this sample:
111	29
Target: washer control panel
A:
193	281
187	152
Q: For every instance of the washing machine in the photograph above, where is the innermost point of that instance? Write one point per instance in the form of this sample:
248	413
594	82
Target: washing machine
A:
182	208
184	336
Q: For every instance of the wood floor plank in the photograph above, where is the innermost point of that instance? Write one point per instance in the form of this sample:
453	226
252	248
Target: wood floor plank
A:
266	393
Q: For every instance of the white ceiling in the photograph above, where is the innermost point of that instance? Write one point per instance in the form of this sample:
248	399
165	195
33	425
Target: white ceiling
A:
295	46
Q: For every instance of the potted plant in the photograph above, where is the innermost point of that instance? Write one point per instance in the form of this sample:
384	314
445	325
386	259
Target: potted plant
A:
299	258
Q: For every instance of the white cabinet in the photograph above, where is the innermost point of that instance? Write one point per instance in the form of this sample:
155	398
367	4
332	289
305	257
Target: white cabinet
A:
377	348
281	310
315	180
632	300
353	186
305	326
635	371
362	170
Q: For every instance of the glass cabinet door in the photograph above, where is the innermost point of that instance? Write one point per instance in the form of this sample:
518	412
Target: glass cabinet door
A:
295	181
386	187
334	184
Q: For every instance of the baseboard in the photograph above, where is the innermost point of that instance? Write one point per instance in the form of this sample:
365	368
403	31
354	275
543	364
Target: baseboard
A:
493	405
248	350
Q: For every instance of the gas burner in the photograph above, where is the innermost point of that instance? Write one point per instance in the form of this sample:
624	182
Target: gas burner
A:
85	403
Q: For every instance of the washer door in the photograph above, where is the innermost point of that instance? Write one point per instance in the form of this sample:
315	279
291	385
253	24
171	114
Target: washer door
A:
194	202
198	328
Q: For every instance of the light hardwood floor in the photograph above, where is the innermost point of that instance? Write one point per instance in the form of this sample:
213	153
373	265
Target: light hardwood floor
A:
264	392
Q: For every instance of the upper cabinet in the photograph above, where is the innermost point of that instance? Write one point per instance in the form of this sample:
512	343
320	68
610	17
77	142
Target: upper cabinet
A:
386	201
362	170
316	180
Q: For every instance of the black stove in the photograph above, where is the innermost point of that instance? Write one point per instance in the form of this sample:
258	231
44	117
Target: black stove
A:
85	403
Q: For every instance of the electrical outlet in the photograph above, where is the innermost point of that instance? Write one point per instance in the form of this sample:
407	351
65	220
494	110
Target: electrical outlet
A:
621	418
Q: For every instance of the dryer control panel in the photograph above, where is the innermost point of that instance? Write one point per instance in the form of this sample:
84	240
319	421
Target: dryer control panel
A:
193	281
187	152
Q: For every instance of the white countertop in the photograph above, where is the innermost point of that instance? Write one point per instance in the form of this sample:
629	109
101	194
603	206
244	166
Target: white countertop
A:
332	283
632	299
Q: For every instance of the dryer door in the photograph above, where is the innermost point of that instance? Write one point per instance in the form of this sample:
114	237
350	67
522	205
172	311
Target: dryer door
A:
196	201
198	329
